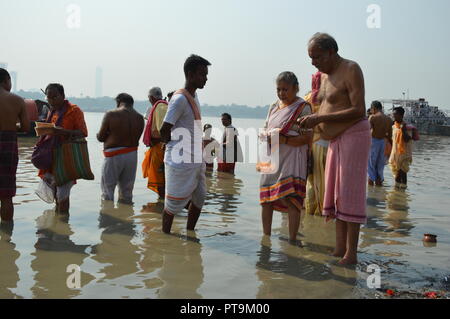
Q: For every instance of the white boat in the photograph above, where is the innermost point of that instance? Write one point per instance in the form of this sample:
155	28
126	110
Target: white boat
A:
429	120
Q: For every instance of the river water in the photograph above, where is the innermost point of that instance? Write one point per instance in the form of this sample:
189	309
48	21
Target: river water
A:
122	252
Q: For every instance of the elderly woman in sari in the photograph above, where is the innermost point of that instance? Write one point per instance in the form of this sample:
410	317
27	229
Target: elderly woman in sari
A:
71	124
283	186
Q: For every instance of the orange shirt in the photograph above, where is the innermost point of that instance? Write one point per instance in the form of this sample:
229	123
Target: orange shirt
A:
73	119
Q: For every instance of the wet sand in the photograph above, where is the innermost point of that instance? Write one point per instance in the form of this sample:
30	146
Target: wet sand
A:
123	253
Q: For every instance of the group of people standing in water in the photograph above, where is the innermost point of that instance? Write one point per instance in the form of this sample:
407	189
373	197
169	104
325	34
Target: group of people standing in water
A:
323	142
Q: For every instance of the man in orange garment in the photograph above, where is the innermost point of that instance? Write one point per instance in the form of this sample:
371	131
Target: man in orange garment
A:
153	164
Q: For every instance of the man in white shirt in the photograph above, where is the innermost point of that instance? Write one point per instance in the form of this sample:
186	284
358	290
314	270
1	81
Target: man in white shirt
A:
182	133
231	151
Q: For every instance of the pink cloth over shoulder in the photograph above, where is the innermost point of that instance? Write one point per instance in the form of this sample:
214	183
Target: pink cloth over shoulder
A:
346	175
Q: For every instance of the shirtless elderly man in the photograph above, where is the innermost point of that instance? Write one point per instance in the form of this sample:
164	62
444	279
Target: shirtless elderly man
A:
120	132
342	120
381	129
12	110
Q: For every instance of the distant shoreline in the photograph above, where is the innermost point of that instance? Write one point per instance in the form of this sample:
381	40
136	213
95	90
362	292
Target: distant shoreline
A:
104	104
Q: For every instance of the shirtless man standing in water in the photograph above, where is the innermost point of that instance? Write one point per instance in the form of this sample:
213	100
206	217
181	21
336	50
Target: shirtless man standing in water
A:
12	111
120	132
342	120
381	128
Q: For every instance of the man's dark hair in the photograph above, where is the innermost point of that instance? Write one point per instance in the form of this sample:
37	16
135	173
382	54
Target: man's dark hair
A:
58	87
399	110
324	41
193	62
4	75
377	105
125	98
228	116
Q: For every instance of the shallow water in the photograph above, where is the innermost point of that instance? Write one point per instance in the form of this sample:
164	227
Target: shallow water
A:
123	253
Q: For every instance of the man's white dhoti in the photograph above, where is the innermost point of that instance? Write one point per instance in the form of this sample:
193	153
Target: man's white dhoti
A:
119	170
184	185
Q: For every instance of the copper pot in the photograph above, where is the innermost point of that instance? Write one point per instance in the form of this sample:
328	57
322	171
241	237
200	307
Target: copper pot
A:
429	238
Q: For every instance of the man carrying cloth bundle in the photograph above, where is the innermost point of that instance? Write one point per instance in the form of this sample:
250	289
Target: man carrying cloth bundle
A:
13	110
153	164
342	120
182	131
120	132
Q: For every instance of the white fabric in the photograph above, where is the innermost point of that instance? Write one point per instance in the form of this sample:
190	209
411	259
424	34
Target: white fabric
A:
119	170
323	143
49	192
184	185
183	153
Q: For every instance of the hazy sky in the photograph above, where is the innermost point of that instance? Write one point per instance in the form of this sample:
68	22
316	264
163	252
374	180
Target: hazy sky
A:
142	43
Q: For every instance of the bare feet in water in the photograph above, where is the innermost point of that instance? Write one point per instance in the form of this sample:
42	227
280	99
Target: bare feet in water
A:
348	261
339	254
296	242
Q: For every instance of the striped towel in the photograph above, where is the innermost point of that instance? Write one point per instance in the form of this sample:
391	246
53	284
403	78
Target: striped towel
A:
9	159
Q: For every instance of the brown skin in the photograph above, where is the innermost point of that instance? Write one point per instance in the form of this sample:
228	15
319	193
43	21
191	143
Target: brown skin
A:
225	121
399	119
381	125
13	110
342	93
287	95
56	101
343	104
121	127
194	81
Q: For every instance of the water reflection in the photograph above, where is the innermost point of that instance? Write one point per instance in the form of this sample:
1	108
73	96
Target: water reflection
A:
224	191
9	272
54	252
134	254
286	274
182	270
388	211
398	211
153	208
117	251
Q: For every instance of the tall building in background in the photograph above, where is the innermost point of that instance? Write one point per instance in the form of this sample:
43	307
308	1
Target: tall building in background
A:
14	76
98	82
